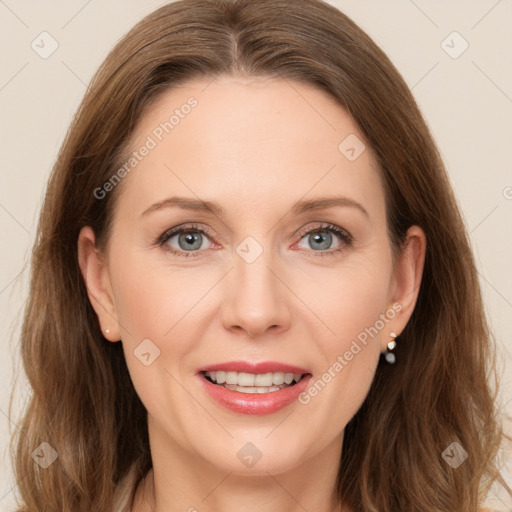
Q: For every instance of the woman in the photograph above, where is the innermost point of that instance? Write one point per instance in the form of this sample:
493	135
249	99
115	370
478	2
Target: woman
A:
261	371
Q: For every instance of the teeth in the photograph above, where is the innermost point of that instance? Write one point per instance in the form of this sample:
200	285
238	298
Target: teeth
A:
263	381
254	389
231	378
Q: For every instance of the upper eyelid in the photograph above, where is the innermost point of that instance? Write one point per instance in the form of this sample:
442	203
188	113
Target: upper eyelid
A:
176	230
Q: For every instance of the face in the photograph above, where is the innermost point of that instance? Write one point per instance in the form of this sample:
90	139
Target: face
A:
271	284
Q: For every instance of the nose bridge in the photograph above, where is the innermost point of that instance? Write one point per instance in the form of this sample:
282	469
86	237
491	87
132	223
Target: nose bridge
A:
256	282
256	299
252	264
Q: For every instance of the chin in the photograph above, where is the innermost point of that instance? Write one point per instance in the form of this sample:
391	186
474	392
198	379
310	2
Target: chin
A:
247	455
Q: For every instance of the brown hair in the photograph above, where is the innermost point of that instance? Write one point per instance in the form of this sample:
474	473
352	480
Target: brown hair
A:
438	392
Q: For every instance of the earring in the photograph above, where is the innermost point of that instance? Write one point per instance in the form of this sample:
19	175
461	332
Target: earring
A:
107	330
390	357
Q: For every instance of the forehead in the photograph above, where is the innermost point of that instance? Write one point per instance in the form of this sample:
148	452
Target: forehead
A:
261	141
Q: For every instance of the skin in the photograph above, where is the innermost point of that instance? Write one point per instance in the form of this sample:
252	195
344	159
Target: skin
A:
256	146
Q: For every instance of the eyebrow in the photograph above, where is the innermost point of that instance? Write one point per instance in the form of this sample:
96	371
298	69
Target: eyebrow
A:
214	208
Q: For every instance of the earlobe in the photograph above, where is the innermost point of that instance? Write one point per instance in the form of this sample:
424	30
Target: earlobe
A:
95	274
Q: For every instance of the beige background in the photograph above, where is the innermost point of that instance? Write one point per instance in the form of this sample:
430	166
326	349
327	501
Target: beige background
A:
467	102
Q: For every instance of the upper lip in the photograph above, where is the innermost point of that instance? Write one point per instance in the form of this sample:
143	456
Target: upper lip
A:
253	367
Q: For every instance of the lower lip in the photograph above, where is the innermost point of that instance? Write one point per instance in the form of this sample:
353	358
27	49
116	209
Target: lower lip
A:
255	403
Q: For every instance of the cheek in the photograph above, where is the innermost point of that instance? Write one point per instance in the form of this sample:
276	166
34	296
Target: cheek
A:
350	301
152	298
155	302
353	306
352	353
149	306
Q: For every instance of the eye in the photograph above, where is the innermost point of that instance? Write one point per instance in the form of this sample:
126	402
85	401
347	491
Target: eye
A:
189	239
320	238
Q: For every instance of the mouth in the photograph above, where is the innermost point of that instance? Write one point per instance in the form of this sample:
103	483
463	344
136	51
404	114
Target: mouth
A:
257	388
252	383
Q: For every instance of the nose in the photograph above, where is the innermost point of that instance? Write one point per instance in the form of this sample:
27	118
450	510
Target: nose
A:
257	299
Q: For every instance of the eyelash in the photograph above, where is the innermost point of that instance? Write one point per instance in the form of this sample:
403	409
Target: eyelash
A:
344	236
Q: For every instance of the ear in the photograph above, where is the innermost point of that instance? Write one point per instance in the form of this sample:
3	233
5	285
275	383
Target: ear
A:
408	273
97	281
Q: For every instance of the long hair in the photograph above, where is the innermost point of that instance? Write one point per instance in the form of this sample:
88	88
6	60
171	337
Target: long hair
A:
443	387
